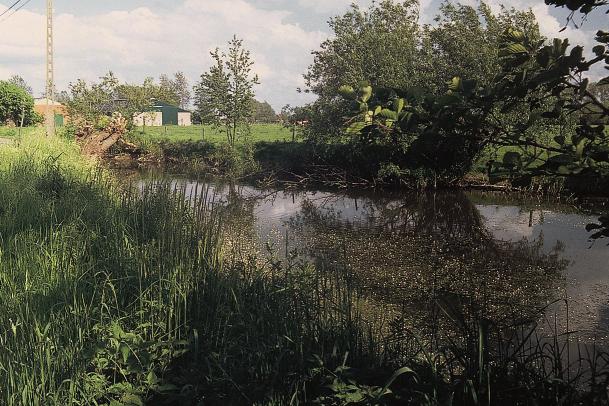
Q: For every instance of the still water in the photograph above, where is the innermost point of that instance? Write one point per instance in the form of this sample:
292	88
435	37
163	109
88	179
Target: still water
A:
505	257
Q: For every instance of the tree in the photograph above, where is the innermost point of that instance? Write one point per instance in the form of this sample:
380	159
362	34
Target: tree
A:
294	118
94	102
464	42
378	44
176	89
385	46
263	112
89	103
223	96
16	105
21	83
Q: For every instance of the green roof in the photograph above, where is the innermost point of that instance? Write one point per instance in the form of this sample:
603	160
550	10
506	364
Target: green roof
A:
160	106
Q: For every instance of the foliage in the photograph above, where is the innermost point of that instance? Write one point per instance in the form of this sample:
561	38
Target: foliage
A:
263	112
92	103
20	82
16	105
295	119
223	96
583	6
377	44
539	84
463	42
386	47
176	90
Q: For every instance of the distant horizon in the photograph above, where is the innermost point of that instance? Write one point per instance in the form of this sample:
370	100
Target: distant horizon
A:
137	39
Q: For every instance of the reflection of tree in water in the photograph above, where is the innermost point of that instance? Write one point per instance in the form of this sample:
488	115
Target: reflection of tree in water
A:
238	221
427	247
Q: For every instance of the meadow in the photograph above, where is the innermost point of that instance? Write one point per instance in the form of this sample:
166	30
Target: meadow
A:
213	135
13	132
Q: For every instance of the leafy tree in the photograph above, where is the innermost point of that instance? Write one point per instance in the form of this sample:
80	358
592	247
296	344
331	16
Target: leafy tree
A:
20	82
62	97
16	105
176	89
89	103
94	102
263	112
464	42
223	96
294	118
377	44
386	47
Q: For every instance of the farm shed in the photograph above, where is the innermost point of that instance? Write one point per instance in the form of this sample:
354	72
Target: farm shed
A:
61	113
160	114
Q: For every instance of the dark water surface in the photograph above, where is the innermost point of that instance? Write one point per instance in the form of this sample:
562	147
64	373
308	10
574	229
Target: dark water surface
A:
504	257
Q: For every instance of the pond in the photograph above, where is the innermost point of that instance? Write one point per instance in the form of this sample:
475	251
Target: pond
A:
504	258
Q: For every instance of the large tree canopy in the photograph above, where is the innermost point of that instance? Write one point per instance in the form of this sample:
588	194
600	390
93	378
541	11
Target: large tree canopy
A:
263	112
385	46
16	105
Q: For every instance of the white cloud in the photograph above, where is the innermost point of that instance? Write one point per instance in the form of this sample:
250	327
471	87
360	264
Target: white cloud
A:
143	42
147	41
325	6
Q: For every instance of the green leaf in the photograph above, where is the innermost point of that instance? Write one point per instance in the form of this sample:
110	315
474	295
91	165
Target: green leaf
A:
125	351
514	49
346	91
365	93
396	374
390	114
132	399
398	105
515	35
455	84
356	128
580	148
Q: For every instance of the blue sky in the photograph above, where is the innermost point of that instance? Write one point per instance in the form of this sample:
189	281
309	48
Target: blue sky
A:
137	38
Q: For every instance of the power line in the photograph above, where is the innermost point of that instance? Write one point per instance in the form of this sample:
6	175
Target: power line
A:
14	11
10	8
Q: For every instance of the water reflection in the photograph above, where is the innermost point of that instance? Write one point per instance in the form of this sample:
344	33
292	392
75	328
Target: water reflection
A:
488	255
412	253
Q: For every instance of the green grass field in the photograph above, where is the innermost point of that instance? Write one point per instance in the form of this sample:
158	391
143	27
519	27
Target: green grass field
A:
10	132
259	133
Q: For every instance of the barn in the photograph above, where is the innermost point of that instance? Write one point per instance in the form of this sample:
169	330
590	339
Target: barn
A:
160	114
60	111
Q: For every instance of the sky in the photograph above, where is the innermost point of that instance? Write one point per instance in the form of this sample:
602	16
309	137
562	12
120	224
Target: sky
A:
140	38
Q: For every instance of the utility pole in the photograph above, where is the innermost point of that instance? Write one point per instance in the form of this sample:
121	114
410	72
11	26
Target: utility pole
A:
50	88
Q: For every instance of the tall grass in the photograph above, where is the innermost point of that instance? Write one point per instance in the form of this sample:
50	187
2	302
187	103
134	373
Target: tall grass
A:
107	296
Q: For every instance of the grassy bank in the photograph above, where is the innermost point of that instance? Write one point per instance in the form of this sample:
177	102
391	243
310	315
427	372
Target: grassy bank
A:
126	298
